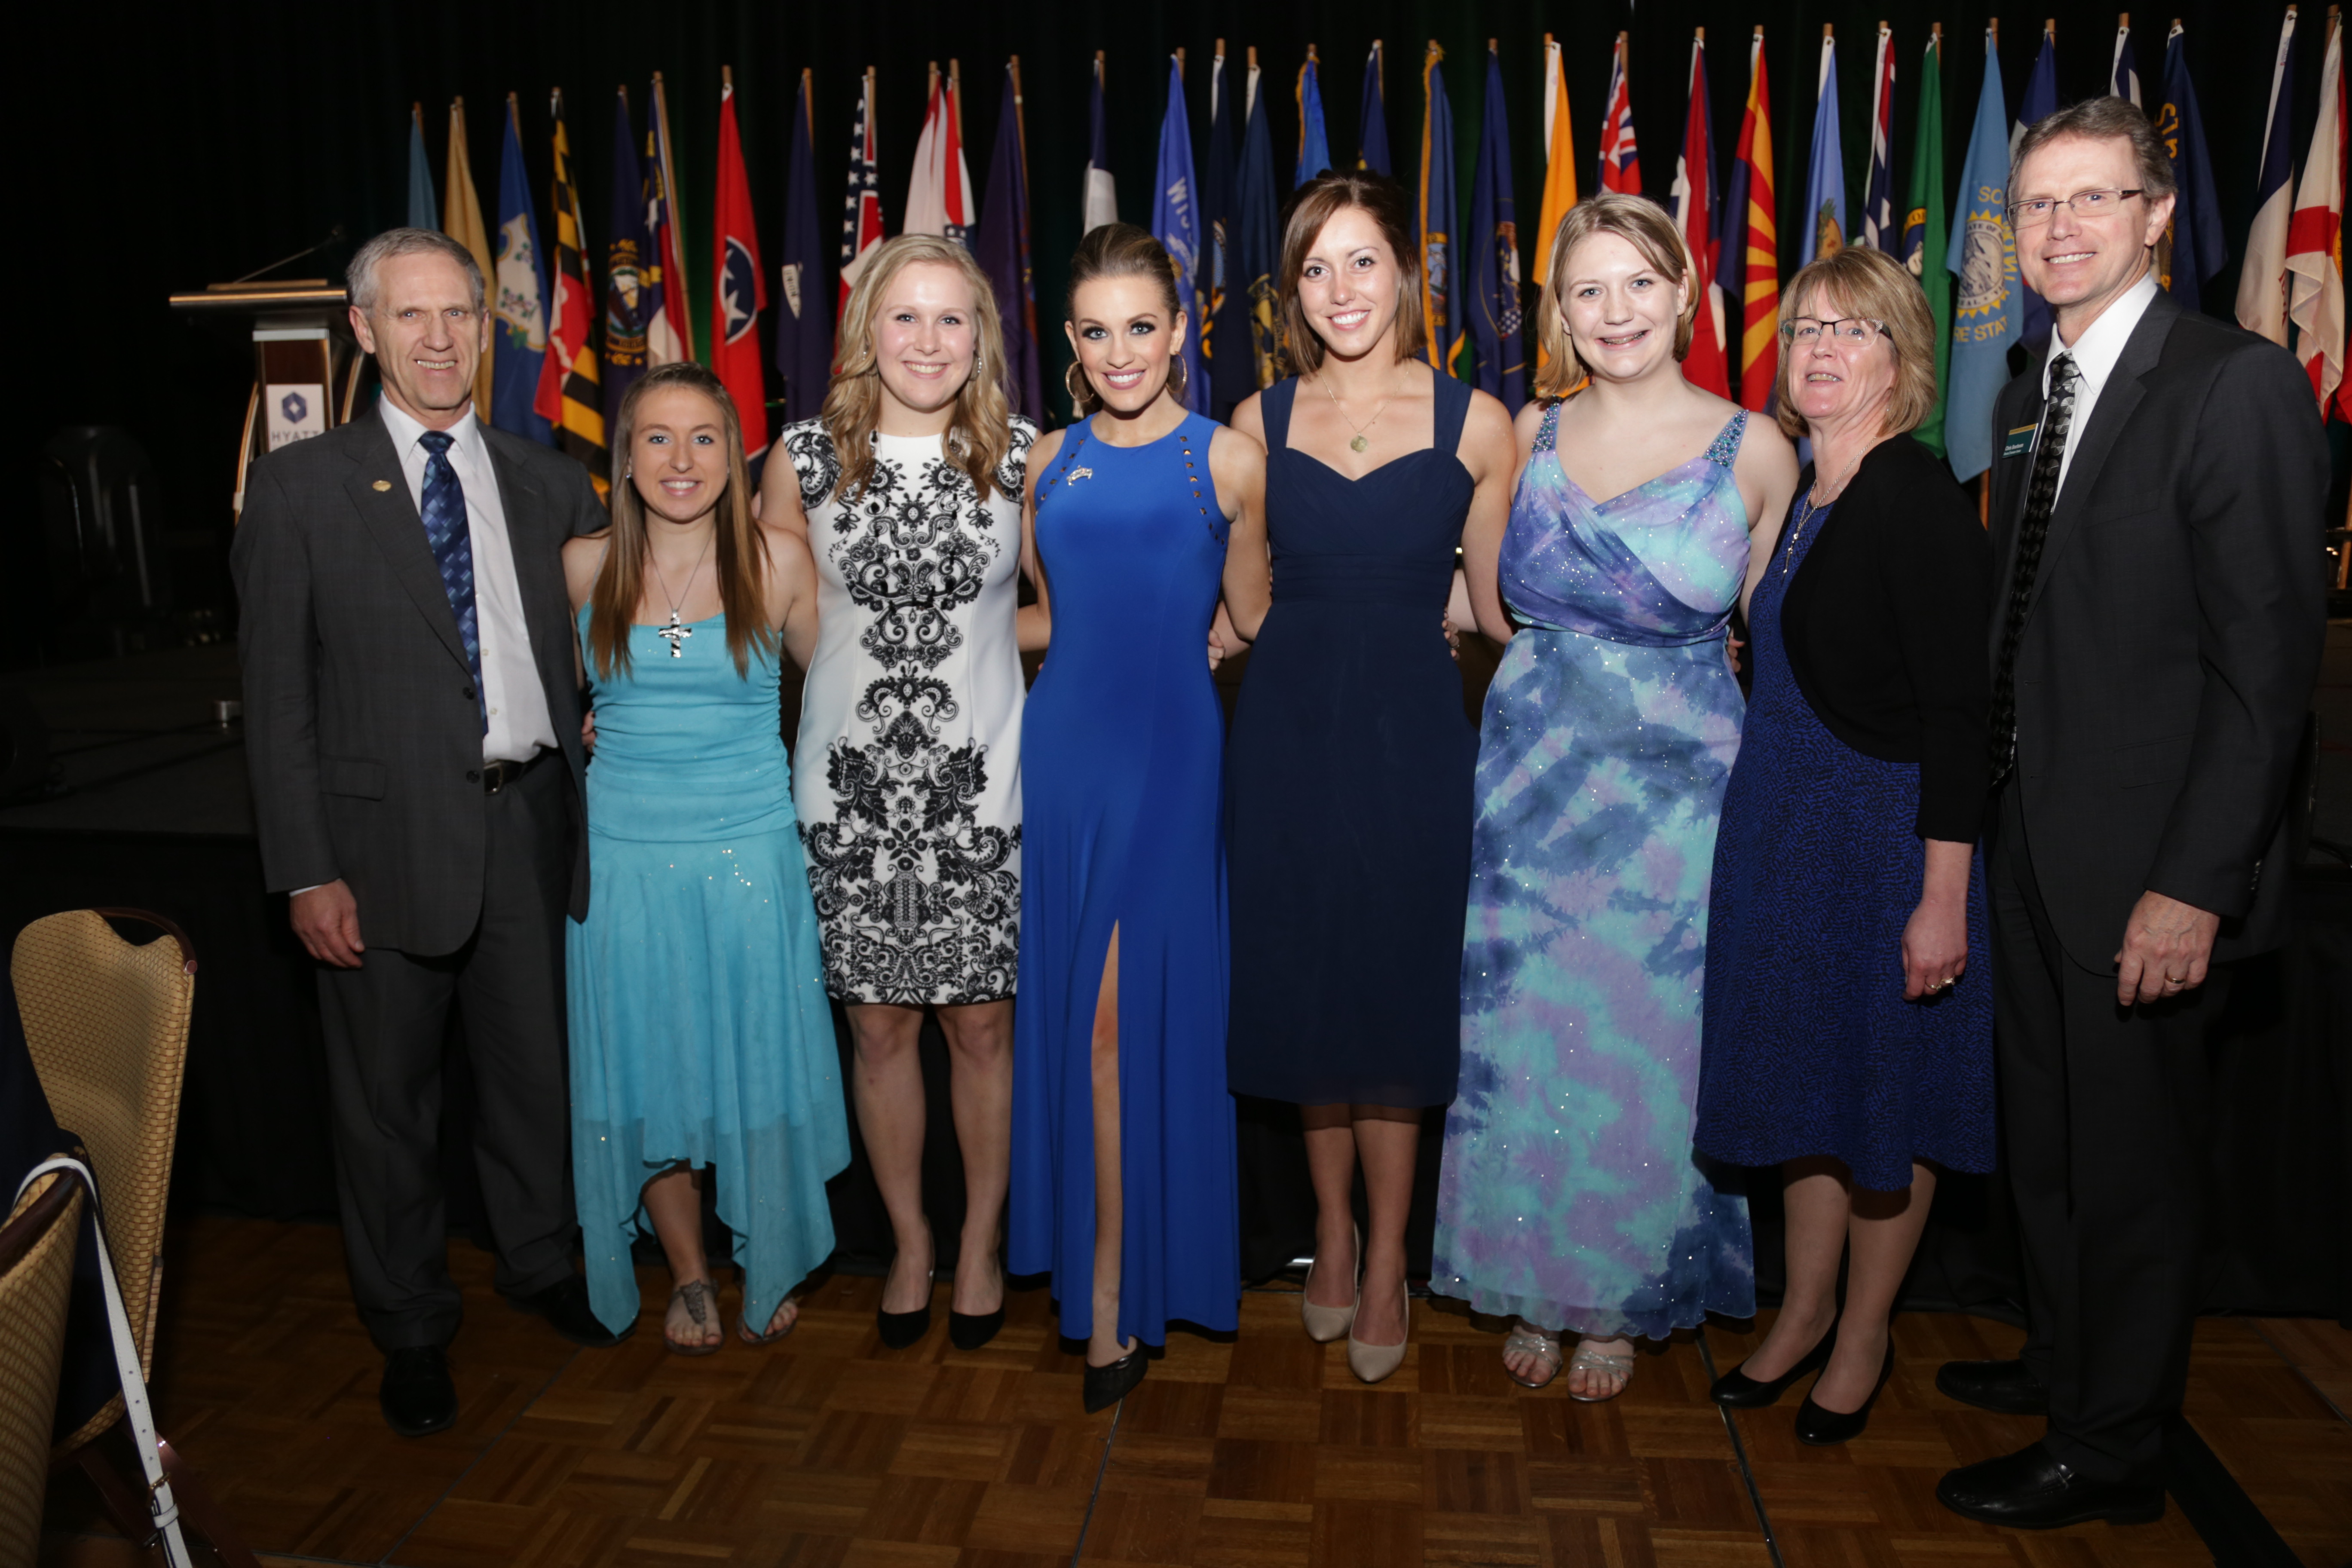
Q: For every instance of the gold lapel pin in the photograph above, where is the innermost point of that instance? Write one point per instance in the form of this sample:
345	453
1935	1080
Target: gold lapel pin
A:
383	484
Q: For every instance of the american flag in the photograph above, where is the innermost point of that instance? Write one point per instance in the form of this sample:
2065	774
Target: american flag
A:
861	224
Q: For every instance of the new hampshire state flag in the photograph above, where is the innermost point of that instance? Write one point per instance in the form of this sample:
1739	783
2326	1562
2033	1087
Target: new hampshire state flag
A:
1982	256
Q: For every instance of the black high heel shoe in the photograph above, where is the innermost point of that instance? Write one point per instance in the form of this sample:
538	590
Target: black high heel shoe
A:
900	1330
1735	1390
1107	1385
970	1331
1827	1428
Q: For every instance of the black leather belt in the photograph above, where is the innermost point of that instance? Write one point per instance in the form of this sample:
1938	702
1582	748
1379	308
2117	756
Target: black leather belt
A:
495	776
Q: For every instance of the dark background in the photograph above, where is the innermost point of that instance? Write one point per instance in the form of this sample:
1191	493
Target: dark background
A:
181	146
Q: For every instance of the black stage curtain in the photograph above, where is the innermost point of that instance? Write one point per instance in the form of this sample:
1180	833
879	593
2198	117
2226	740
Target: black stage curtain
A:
200	142
254	1137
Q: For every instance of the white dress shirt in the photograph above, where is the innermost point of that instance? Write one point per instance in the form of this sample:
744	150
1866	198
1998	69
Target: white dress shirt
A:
512	696
2094	360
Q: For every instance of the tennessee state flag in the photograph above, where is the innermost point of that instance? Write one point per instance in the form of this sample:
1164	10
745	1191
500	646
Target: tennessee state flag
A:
738	289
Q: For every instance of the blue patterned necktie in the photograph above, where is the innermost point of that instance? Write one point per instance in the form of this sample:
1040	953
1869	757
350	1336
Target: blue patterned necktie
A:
453	550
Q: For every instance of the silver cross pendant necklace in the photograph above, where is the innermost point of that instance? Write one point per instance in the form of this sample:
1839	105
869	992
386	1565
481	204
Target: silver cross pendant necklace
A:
678	631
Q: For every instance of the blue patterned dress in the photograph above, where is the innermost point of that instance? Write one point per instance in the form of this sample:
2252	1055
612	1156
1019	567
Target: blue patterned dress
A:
1569	1194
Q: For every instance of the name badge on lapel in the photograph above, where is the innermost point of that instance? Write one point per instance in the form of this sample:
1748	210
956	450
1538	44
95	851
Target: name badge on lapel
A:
2018	441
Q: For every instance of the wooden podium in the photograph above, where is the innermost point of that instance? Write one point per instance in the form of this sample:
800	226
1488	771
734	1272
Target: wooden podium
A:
307	366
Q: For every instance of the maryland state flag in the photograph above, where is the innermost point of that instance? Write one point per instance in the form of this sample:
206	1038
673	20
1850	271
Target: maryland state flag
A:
568	380
569	397
738	289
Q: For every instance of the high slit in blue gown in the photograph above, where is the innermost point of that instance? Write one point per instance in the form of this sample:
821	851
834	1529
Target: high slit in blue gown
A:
1122	751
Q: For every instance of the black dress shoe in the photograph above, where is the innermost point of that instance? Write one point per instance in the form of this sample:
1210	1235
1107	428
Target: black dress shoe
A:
1107	1385
1826	1429
1735	1390
970	1331
417	1396
2030	1490
900	1330
564	1305
2005	1386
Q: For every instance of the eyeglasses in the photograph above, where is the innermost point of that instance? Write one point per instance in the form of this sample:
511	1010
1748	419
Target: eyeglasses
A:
1849	332
2085	204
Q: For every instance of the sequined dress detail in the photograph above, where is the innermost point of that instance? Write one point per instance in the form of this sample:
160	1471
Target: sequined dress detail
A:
1569	1194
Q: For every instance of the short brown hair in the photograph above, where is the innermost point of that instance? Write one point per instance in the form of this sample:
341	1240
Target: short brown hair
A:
1868	282
2101	119
1121	250
1639	223
1316	203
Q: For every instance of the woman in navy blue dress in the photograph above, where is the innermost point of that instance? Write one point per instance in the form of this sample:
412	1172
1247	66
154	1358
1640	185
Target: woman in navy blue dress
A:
1848	1024
1352	757
1140	516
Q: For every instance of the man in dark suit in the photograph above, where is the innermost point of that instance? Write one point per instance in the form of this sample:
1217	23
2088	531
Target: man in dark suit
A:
413	724
2156	513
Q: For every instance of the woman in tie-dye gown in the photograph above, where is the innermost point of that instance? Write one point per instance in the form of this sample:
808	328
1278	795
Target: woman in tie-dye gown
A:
1571	1198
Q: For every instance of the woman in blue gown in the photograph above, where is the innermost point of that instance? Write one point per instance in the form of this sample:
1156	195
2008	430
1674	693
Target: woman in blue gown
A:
1123	1152
702	1042
1569	1197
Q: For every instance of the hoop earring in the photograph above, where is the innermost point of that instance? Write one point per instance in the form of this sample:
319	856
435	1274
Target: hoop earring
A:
1178	375
1074	382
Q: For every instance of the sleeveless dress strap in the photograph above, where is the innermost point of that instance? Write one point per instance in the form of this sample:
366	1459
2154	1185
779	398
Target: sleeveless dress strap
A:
1274	412
1548	433
1453	412
1726	444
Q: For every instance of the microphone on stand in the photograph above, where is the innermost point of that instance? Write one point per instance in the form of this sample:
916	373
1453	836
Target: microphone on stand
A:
333	235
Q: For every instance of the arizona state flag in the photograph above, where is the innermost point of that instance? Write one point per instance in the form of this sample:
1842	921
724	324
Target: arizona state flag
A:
568	397
738	289
1756	274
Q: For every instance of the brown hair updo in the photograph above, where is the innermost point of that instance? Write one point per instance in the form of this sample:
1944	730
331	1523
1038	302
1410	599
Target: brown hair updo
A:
1120	250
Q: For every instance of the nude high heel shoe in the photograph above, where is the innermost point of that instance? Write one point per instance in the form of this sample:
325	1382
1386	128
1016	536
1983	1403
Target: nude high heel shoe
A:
1325	1324
1370	1363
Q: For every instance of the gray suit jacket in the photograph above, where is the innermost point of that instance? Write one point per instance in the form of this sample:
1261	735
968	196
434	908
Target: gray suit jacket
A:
361	729
2173	633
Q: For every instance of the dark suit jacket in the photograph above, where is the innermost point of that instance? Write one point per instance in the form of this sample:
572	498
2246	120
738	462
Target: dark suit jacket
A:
2173	635
361	729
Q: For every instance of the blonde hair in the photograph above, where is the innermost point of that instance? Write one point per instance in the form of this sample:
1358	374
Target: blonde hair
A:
979	435
1121	250
1870	283
736	551
1639	223
1318	202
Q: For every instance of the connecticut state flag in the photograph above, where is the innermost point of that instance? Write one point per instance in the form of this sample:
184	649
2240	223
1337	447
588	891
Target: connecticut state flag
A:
737	286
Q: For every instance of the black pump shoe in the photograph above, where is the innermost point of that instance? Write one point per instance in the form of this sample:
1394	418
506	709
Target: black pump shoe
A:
970	1331
900	1330
1107	1385
1735	1390
1826	1429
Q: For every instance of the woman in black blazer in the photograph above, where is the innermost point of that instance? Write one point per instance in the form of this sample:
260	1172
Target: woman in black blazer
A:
1847	1034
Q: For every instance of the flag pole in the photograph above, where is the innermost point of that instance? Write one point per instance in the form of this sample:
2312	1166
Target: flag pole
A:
726	78
955	95
1179	62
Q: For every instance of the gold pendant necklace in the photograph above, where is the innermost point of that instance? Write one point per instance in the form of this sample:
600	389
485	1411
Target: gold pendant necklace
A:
1361	440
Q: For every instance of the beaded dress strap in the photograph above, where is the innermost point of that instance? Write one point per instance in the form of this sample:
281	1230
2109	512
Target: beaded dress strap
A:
1548	433
1726	444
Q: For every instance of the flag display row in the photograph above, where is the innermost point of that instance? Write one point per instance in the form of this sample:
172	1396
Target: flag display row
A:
563	356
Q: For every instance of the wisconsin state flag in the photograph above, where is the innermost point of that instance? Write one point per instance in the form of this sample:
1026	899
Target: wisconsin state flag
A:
738	289
569	397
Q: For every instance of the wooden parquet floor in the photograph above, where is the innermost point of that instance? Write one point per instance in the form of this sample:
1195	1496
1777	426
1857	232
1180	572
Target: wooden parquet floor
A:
828	1451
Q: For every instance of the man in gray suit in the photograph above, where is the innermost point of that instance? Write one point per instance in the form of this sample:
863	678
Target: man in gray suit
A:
412	727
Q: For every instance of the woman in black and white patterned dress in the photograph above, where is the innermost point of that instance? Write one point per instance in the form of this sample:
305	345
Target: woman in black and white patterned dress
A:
907	776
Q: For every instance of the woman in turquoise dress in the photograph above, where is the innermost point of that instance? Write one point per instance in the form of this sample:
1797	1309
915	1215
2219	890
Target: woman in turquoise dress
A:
702	1043
1123	1137
1569	1197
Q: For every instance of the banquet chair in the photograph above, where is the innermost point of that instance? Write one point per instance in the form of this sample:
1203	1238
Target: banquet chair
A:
107	1022
36	1267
